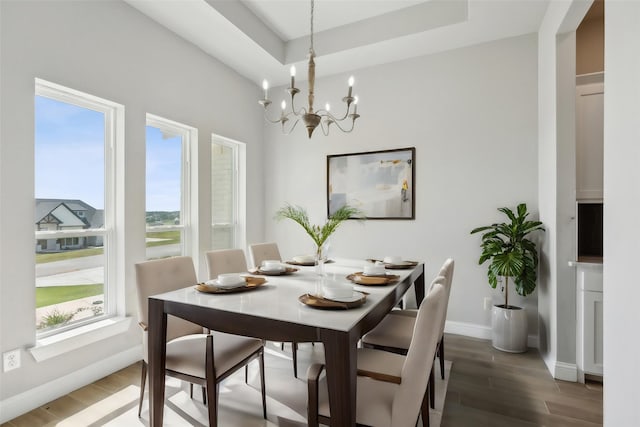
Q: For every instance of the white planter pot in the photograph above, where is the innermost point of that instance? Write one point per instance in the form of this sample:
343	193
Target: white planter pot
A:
509	329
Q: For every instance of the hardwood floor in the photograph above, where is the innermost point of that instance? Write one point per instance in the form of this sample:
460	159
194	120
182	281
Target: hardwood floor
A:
492	388
486	387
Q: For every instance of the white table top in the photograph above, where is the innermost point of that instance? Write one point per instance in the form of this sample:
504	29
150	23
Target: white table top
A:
278	298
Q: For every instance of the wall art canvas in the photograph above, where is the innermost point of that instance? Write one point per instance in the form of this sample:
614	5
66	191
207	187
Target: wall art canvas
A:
380	183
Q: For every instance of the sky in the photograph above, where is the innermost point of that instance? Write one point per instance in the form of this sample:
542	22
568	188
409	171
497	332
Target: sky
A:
69	157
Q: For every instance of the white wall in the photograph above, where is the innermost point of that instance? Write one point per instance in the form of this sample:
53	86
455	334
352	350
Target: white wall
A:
622	203
107	49
472	116
556	190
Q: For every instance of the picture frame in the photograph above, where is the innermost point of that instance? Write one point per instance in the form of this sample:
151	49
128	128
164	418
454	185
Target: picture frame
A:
379	183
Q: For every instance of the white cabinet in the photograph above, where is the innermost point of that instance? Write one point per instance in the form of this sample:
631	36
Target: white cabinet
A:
589	326
592	344
589	141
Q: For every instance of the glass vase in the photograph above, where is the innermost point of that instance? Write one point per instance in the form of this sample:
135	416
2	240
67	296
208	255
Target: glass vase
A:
319	261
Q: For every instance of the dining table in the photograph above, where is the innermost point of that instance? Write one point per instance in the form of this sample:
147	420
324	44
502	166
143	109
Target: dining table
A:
274	312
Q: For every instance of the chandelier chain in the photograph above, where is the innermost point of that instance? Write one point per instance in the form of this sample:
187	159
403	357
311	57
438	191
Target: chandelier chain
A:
311	48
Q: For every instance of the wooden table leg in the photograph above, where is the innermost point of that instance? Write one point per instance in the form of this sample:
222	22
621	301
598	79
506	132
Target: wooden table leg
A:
341	368
157	357
418	286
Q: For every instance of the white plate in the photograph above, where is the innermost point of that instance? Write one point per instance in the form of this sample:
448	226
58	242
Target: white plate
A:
214	282
381	274
356	296
273	270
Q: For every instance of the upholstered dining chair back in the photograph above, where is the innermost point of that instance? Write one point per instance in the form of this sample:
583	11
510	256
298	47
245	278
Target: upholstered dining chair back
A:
226	261
415	371
160	276
264	251
447	272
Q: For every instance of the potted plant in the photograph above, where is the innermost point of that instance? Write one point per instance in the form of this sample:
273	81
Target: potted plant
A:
511	255
317	233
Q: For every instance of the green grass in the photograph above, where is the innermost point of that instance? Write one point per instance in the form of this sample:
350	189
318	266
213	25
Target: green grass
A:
171	236
51	295
60	256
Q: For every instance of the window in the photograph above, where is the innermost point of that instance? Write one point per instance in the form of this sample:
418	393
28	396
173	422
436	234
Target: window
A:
168	188
75	136
227	193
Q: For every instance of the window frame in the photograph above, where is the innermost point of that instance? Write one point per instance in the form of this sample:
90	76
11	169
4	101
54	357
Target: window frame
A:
114	304
239	190
188	184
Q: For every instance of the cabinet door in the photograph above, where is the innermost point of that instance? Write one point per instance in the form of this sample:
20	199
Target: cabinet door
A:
593	332
589	141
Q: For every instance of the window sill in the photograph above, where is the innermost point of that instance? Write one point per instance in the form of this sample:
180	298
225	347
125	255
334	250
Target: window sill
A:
64	342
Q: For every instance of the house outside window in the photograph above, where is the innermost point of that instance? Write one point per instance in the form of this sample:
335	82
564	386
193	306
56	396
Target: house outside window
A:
76	135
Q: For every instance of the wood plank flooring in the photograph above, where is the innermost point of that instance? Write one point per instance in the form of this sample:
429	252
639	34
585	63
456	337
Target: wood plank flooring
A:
486	387
493	388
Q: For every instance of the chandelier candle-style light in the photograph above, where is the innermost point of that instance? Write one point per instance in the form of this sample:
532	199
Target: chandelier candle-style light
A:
309	116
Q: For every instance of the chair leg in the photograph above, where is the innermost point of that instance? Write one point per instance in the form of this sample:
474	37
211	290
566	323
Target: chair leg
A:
432	387
441	356
424	408
262	386
204	395
246	373
294	351
212	389
143	380
191	391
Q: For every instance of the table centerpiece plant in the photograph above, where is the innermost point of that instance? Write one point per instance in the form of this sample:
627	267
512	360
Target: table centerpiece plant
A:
319	234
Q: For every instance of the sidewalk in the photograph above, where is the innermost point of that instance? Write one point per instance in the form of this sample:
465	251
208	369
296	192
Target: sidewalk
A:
87	276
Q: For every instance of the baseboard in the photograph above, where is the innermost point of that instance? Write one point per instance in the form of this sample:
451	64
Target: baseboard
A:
565	371
479	331
26	401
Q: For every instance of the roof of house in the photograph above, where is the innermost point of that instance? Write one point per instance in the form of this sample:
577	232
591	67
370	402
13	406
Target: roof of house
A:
93	218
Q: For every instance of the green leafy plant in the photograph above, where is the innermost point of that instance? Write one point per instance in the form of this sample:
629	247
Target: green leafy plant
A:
319	234
511	253
55	318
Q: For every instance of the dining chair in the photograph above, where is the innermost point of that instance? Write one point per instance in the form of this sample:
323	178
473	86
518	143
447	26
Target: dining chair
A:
269	251
394	332
203	359
383	403
225	261
263	251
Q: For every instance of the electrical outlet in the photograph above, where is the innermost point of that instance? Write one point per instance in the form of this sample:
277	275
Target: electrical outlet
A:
11	360
487	303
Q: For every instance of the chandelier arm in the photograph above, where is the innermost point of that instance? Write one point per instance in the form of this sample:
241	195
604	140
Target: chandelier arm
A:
353	124
285	132
322	123
326	113
346	114
300	112
269	120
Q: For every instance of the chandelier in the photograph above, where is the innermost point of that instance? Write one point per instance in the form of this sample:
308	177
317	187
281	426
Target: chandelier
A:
309	116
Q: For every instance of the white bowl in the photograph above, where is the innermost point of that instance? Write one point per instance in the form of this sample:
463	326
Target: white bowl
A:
371	269
304	259
392	259
230	279
271	265
335	290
